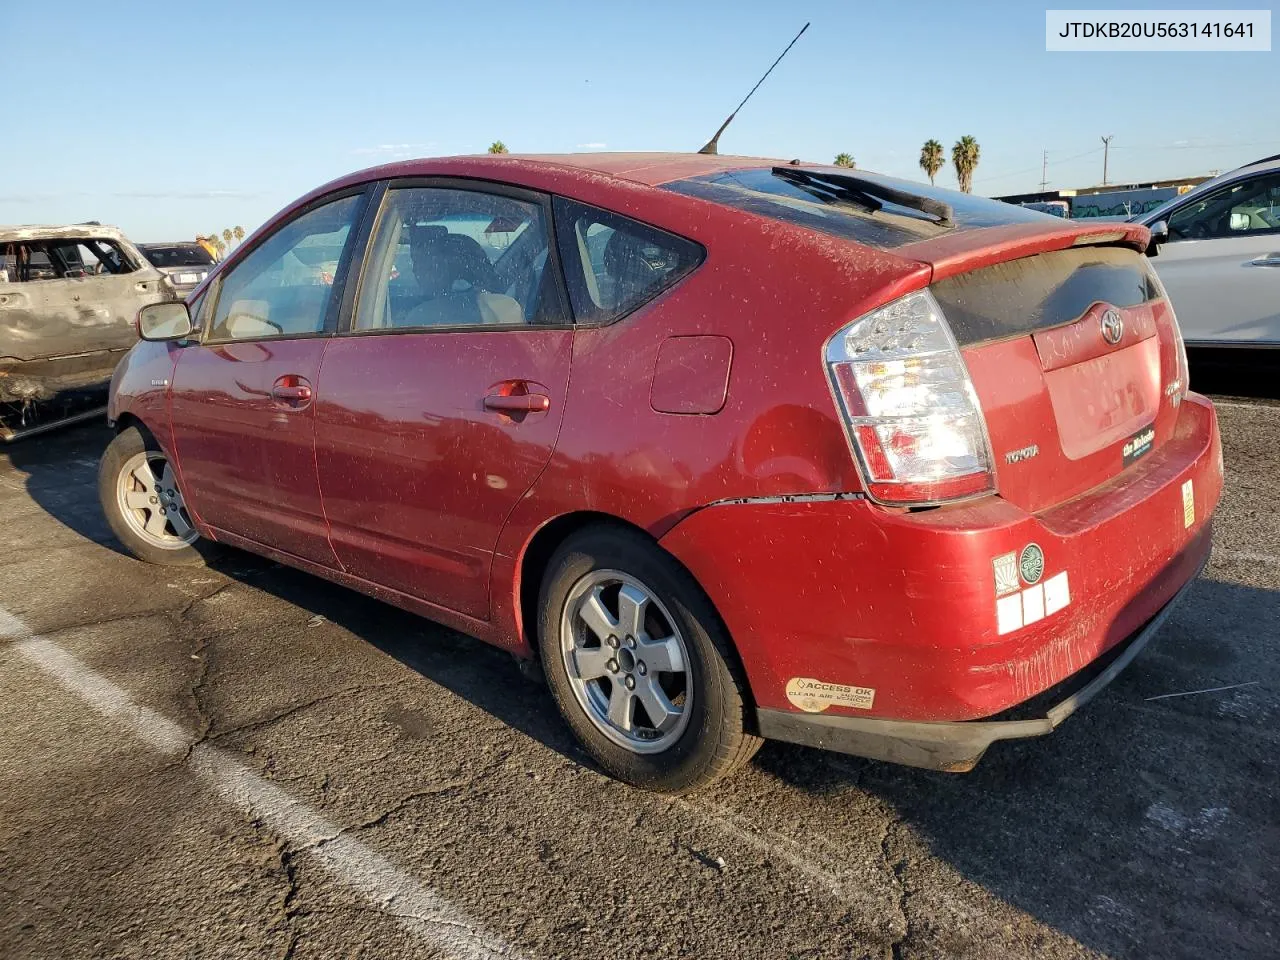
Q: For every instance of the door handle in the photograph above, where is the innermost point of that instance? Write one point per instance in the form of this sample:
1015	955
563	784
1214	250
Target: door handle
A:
1270	260
297	394
518	402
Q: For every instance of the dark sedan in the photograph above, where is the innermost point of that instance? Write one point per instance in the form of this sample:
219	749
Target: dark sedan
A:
186	264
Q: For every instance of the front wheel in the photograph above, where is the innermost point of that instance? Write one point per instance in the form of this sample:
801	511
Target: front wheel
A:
640	665
138	488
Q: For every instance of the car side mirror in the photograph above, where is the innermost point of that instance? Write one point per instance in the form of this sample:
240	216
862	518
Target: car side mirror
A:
165	321
1159	234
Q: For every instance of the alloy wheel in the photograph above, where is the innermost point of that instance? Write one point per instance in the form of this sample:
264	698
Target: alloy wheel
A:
626	661
151	503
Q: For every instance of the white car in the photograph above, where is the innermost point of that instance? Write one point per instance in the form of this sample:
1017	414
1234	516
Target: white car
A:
1221	260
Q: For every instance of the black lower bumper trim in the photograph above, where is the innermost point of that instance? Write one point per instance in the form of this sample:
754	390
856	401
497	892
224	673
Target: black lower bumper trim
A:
954	746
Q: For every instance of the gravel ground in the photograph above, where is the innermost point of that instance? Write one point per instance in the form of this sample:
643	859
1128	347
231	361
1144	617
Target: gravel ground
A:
245	761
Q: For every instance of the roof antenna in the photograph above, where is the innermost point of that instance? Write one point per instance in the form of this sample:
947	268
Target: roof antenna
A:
713	144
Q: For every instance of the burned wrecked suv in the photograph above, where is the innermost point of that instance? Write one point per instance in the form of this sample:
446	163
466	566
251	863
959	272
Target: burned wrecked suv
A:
68	300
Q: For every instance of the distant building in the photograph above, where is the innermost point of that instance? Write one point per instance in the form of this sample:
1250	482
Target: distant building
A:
1111	200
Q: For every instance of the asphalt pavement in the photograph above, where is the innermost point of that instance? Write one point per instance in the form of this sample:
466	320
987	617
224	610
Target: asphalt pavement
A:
245	761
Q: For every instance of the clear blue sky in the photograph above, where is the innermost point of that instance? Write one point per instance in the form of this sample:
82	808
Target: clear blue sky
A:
199	117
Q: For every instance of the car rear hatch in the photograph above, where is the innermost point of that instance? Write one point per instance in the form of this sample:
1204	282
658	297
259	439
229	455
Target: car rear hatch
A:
1073	351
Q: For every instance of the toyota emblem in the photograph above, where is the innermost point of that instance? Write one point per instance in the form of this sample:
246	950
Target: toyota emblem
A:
1112	326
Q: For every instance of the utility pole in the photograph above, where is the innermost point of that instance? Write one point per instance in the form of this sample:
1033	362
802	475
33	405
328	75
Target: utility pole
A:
1106	150
1044	171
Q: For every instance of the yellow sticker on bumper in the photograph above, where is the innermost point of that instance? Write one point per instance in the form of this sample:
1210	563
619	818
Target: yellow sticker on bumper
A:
1188	504
814	696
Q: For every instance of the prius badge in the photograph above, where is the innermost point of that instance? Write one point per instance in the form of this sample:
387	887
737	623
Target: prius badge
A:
1112	326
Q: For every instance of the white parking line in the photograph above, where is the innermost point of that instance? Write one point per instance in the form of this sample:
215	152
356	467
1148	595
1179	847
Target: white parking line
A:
416	907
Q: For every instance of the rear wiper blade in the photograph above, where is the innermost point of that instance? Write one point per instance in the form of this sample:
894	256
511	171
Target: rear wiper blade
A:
827	192
866	193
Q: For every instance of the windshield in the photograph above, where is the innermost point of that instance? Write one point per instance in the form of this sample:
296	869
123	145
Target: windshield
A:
177	255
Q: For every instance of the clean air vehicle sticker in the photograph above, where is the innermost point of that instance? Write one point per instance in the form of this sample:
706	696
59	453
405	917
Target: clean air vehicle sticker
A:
1188	504
1031	563
814	696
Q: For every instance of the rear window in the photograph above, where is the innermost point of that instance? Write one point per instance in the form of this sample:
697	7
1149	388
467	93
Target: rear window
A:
1049	289
179	255
763	192
613	264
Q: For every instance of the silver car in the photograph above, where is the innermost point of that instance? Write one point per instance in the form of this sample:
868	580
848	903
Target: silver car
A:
1221	260
185	264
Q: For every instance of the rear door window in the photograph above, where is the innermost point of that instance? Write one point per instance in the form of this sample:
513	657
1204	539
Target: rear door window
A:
614	264
449	258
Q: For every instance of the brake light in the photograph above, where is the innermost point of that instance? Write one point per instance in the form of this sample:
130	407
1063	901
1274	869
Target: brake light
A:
908	405
1183	371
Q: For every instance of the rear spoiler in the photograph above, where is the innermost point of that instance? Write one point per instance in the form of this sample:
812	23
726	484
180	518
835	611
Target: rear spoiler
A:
967	250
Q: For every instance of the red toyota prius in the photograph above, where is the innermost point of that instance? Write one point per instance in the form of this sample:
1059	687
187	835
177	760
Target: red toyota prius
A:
736	448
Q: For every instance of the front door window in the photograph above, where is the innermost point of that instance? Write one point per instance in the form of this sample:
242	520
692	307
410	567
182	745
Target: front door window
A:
1247	208
284	287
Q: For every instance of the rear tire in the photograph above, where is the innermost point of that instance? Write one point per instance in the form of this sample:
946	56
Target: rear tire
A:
640	665
140	497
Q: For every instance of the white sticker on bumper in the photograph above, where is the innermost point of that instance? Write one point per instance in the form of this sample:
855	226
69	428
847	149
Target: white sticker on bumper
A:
1057	593
1032	604
1009	613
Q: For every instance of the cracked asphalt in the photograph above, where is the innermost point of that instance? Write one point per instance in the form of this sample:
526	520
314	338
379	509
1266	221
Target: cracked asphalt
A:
244	761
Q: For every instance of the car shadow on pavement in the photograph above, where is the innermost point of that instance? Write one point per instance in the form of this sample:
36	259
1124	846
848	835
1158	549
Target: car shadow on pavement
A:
1141	827
61	475
485	676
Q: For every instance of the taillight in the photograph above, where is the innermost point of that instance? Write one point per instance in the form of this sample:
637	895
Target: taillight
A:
1182	375
909	406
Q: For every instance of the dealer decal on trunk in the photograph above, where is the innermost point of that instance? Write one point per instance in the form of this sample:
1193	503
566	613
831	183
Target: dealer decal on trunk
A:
1139	444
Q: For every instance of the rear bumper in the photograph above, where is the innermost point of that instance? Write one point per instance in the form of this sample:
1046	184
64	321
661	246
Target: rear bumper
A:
957	746
899	612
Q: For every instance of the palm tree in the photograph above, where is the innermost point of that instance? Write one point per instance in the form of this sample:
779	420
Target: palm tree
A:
238	233
845	160
498	147
226	237
932	158
964	157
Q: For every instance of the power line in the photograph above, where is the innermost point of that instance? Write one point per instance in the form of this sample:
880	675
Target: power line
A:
1197	146
1001	176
